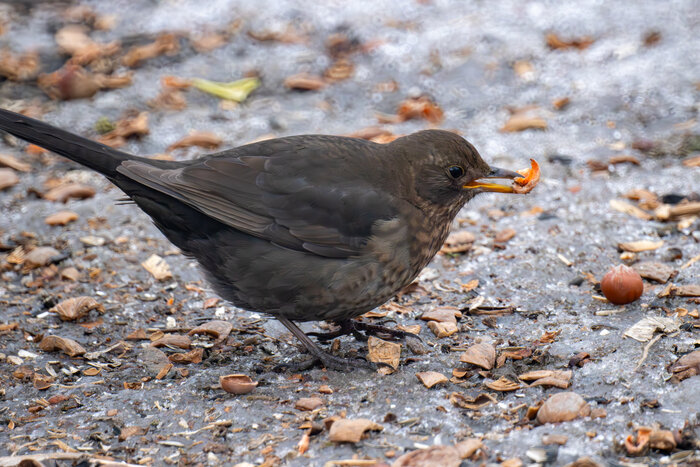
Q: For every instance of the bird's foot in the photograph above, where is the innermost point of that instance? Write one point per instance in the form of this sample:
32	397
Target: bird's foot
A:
328	361
319	355
357	328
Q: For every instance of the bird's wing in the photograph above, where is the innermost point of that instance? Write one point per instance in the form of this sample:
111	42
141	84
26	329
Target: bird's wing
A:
285	196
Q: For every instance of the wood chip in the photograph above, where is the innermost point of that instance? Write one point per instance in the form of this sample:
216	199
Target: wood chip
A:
305	82
351	430
381	351
563	407
438	455
203	139
217	329
502	384
431	378
443	329
630	209
472	403
61	218
157	267
7	160
442	315
8	178
641	245
692	290
175	340
526	118
64	344
458	242
76	307
652	270
129	431
420	108
166	43
193	356
555	42
40	256
308	403
63	193
483	355
504	235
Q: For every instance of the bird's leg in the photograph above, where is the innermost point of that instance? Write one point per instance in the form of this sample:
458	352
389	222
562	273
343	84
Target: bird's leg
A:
329	361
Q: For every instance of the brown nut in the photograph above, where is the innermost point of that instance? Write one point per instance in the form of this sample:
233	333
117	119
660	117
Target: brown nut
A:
237	384
622	285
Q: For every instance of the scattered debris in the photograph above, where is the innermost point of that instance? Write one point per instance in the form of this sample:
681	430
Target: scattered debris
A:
563	407
351	430
76	308
237	384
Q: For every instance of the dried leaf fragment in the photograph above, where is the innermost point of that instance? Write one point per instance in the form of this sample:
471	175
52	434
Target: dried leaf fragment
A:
203	139
381	351
76	307
483	355
129	431
351	430
216	328
431	378
61	218
442	315
64	344
66	191
157	267
236	91
504	235
645	329
8	178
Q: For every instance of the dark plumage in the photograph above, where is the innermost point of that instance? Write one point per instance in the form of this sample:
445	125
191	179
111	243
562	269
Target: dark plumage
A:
304	228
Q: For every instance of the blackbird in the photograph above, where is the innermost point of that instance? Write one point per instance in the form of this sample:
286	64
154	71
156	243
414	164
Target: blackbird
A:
304	228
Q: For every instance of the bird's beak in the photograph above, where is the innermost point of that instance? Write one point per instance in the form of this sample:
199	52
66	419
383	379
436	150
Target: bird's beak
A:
497	187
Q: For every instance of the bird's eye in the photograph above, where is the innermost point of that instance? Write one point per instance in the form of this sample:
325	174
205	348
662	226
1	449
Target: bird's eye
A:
455	171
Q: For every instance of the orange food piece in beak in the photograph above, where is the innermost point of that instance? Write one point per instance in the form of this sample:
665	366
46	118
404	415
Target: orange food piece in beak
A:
531	178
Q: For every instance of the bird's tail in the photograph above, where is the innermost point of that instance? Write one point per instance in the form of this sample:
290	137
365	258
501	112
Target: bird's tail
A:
89	153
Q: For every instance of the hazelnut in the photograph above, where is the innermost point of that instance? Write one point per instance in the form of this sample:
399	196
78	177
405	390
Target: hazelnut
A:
622	285
237	384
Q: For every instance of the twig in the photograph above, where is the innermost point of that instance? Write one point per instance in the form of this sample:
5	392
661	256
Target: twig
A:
645	353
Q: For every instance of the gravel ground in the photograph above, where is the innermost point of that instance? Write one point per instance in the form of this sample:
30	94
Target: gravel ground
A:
633	91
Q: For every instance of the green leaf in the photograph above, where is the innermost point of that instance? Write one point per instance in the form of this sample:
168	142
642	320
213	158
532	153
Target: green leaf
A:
234	91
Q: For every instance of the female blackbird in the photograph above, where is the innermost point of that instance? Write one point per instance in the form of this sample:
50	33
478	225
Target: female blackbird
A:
303	228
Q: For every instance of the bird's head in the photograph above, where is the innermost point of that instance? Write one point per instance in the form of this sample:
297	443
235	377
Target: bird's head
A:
446	171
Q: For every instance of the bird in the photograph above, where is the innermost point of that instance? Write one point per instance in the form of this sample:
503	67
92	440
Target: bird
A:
302	228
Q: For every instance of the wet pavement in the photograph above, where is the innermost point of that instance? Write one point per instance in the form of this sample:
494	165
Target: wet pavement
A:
476	60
